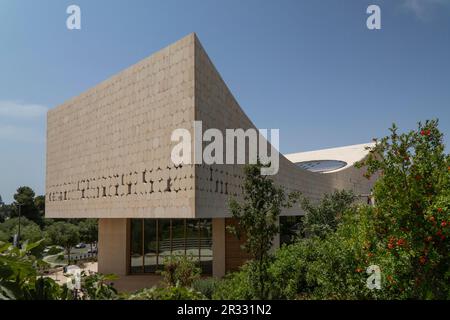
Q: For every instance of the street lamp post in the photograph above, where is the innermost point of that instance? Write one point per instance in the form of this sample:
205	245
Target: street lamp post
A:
18	234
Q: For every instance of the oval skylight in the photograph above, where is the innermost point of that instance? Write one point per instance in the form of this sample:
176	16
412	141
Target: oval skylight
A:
321	165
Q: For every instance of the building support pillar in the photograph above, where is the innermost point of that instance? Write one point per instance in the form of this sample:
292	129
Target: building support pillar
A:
218	247
113	246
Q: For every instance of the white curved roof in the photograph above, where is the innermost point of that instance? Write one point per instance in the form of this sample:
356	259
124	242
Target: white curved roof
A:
348	154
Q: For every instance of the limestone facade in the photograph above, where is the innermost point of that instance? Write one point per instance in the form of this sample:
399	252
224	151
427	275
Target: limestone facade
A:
108	150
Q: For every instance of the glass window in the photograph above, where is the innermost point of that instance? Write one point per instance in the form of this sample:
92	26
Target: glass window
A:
192	238
205	227
322	165
136	246
150	245
153	240
178	237
164	240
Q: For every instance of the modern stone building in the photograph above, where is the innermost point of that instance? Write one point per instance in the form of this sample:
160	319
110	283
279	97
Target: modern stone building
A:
109	157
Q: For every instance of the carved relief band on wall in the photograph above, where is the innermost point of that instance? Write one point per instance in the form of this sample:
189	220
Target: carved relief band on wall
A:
148	182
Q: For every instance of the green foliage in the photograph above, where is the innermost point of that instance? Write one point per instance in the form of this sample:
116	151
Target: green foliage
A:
89	231
31	233
4	237
236	286
64	234
324	217
340	260
257	217
3	212
97	286
19	277
406	233
412	209
334	267
180	271
39	202
29	230
205	286
166	293
6	211
288	270
53	250
44	288
25	196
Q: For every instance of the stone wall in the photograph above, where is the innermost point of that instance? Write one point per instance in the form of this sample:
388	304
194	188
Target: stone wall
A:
108	150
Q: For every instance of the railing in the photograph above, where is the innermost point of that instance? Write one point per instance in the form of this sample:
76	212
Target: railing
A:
83	256
181	244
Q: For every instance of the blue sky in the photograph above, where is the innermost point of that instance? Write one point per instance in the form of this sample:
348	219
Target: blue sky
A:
310	68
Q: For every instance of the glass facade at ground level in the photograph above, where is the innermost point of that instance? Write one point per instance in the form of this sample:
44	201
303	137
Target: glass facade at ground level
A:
153	240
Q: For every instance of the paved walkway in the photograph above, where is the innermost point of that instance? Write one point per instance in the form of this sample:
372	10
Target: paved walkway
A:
59	276
128	283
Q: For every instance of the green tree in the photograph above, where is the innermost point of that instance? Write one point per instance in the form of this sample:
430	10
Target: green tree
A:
324	217
89	231
29	230
24	197
5	210
180	271
64	234
412	213
39	202
2	215
257	217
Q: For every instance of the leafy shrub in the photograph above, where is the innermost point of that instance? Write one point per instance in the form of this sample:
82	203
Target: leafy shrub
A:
97	286
54	250
340	260
236	286
180	271
406	234
288	270
19	278
325	217
206	286
167	293
46	289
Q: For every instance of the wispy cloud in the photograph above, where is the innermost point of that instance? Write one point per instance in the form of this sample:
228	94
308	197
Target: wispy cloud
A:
17	109
424	9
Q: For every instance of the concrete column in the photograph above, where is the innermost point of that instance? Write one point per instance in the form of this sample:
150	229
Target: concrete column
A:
218	247
113	246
